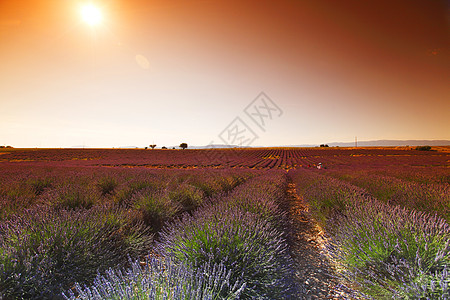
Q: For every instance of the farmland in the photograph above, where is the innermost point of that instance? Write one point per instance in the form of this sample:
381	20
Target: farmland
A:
264	223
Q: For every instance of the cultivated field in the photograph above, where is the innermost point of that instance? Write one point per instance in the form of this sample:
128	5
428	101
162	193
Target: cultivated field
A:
268	223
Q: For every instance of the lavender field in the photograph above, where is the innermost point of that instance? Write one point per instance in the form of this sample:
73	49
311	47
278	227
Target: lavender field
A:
218	224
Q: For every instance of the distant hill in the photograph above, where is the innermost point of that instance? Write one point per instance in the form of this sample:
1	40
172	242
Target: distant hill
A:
384	143
376	143
127	147
119	147
216	146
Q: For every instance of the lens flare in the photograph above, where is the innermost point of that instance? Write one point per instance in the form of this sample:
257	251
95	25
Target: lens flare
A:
91	14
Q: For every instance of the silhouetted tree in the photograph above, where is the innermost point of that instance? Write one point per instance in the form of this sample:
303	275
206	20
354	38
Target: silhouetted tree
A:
423	148
152	146
163	147
183	146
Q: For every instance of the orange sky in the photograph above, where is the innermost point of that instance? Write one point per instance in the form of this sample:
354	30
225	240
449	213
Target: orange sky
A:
168	71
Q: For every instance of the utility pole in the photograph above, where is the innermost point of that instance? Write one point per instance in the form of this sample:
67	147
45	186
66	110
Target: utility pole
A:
356	142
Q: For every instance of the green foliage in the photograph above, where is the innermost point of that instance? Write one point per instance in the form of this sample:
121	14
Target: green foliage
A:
250	247
39	185
325	196
156	208
386	250
107	185
73	197
428	197
188	196
15	198
124	194
383	250
216	184
47	250
228	183
160	279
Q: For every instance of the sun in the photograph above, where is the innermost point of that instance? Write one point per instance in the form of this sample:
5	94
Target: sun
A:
91	14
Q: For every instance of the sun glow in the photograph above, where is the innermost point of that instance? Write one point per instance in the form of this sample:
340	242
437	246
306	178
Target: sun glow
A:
91	14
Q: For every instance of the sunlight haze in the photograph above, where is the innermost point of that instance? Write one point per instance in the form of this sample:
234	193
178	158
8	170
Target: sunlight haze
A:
111	73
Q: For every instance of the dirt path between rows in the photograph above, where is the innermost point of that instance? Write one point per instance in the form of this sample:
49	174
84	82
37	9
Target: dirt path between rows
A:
307	244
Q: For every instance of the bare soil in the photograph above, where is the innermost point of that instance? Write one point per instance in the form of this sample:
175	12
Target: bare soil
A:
314	270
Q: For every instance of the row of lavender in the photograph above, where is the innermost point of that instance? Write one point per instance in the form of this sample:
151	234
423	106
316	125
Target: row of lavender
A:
59	226
232	247
70	188
415	190
252	158
380	249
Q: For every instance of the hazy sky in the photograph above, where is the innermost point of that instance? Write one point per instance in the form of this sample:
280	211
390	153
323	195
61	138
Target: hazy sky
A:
167	72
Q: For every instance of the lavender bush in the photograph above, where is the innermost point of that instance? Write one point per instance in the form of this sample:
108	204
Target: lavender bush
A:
218	182
250	247
74	196
429	197
228	233
40	184
161	279
386	251
72	224
15	198
261	196
327	196
156	208
46	250
124	193
392	251
188	196
107	185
